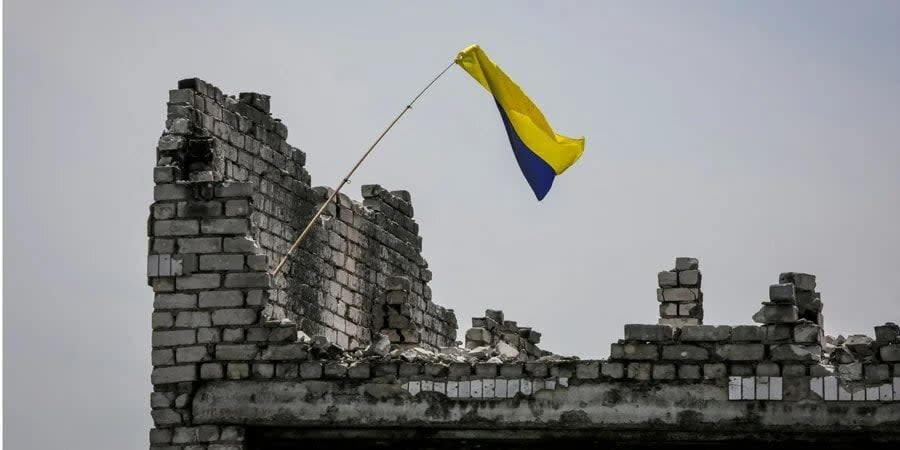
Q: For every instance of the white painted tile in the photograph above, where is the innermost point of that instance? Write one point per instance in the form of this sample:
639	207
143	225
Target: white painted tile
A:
414	387
748	388
829	389
872	394
564	381
177	268
439	387
886	393
427	385
776	391
526	386
153	266
537	385
734	388
464	387
500	388
453	389
844	394
476	388
512	388
815	385
762	388
165	266
487	388
550	383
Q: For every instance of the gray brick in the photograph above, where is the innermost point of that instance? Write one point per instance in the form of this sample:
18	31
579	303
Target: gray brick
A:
612	369
162	320
768	369
221	299
198	281
664	371
714	371
200	245
164	417
689	278
249	279
802	281
208	335
199	209
294	351
667	279
235	316
222	262
173	338
747	333
237	371
311	370
239	245
678	294
684	353
890	353
796	352
705	333
686	263
234	189
162	357
192	319
486	370
236	352
648	333
162	192
237	208
225	226
191	354
175	227
212	371
634	351
174	374
587	370
689	372
359	370
782	293
740	352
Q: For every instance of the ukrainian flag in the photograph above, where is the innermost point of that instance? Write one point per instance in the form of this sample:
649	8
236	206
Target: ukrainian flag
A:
542	154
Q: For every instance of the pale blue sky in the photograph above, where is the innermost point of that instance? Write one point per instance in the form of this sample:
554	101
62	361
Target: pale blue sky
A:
758	136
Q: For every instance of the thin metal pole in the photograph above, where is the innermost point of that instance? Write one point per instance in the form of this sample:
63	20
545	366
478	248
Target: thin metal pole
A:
346	179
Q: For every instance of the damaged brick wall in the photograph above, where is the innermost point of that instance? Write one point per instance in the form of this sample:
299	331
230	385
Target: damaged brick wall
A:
329	284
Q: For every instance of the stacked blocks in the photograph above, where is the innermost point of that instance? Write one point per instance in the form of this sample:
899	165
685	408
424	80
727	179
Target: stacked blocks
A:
492	329
679	294
406	318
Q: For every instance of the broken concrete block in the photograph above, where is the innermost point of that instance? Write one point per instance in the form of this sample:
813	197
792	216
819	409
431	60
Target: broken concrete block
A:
802	281
678	294
772	313
782	293
796	352
648	333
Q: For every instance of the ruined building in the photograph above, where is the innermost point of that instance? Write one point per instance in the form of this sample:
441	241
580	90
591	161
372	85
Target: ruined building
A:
348	348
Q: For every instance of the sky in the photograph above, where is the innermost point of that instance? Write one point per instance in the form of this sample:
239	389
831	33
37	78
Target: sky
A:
759	137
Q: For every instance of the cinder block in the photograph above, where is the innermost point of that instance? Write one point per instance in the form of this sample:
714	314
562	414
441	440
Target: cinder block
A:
175	227
714	371
740	352
224	226
795	352
485	370
667	279
198	281
212	371
235	316
648	333
664	371
217	262
640	371
684	353
221	299
782	293
645	352
689	372
191	354
612	369
705	333
200	245
173	374
803	281
247	280
536	369
689	278
173	338
236	352
686	263
587	370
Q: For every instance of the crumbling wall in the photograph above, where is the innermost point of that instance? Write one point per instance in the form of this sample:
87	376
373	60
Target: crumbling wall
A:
329	284
232	350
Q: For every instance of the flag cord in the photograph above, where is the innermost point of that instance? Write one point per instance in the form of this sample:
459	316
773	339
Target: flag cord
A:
346	179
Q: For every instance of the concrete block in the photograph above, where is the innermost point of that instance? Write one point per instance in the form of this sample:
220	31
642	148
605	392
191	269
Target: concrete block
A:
876	373
768	369
294	351
208	335
220	262
310	370
235	316
287	370
684	353
890	353
191	354
689	372
808	333
714	371
776	333
536	369
648	333
646	352
175	227
795	352
667	279
162	320
664	371
889	332
850	372
163	192
679	322
173	338
486	370
612	369
789	369
686	263
221	299
689	278
587	370
511	370
409	369
803	281
200	245
241	244
212	371
162	357
192	319
236	352
782	293
224	226
237	208
334	369
705	333
459	370
237	371
198	281
359	370
740	352
747	333
166	417
198	209
640	371
678	294
173	374
247	280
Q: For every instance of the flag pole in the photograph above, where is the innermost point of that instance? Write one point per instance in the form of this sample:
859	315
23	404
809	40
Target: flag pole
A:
346	178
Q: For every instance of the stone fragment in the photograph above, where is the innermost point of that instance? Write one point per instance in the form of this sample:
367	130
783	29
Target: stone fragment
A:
850	372
506	352
773	313
859	345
